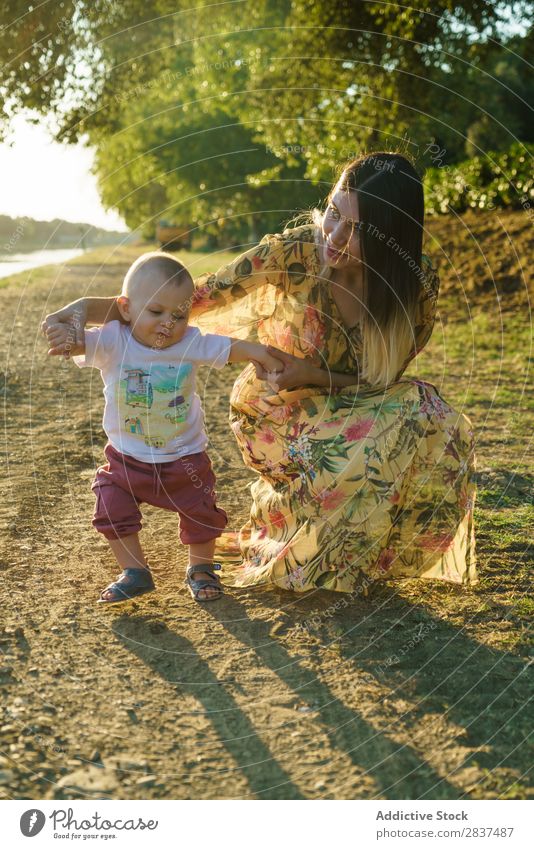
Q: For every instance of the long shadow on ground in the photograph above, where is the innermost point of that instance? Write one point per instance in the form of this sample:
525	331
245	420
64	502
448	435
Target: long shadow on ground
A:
370	750
235	731
434	664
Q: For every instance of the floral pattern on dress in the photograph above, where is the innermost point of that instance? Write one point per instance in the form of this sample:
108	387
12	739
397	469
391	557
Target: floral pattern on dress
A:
355	484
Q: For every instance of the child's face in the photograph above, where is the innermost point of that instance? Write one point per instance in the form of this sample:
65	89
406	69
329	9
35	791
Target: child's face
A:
158	313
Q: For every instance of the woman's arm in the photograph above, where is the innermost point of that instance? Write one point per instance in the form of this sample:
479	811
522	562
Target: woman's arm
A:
263	263
76	315
301	372
330	379
102	310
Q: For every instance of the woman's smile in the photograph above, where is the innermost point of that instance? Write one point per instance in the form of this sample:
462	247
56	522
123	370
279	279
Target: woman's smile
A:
334	254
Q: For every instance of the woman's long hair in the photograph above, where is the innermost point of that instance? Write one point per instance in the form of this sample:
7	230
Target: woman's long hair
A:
391	207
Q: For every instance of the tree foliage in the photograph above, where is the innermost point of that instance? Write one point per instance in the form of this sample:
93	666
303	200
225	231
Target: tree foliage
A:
498	179
214	112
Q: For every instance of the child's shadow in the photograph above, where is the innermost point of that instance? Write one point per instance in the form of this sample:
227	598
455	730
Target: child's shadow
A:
232	726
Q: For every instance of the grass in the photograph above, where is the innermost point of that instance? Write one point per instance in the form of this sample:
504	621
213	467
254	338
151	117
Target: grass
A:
198	262
116	258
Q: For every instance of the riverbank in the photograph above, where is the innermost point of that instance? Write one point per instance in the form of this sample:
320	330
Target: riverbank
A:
15	263
420	690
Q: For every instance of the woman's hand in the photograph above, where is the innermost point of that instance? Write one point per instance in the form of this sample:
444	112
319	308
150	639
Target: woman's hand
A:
267	366
63	340
297	372
74	318
267	361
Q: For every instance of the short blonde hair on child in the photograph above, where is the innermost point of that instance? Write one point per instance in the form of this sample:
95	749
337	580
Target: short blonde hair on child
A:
164	266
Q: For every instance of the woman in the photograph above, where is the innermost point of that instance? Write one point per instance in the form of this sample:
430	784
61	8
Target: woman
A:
362	475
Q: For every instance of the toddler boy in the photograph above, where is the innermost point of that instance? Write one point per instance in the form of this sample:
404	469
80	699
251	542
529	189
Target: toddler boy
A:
153	419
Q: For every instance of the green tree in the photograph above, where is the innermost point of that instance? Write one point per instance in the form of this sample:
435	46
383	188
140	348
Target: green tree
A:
184	156
502	83
339	78
220	112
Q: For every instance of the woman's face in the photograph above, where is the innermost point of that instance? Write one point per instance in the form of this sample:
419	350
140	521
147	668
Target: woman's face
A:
340	229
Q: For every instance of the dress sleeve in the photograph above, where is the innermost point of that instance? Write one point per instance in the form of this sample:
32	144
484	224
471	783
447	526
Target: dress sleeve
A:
255	267
234	299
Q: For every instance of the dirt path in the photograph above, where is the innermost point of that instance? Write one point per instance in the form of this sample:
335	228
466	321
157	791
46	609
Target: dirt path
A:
419	691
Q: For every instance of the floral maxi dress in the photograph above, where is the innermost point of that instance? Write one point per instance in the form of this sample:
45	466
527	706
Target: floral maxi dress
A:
355	484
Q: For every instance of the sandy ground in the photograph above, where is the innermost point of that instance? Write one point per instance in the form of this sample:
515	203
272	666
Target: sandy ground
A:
413	692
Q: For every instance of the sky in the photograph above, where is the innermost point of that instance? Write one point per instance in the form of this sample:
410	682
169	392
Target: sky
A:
44	180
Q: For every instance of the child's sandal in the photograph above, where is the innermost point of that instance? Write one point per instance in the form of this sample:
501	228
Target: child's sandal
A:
195	586
130	583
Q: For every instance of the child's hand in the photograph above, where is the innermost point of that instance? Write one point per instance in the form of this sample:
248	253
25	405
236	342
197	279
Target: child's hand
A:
62	340
268	367
269	362
264	359
298	371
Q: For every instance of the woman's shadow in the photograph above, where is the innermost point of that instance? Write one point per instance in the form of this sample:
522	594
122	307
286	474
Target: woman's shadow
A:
397	770
371	751
435	666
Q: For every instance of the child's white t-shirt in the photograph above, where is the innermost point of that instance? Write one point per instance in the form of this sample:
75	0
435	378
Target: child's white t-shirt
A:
152	411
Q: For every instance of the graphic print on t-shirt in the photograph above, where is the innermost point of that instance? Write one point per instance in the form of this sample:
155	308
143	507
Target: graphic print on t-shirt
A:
154	401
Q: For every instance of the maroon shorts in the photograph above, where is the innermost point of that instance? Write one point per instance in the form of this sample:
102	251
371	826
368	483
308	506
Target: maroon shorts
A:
185	486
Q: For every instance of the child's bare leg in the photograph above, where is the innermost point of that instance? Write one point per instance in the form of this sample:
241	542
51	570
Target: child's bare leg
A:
202	553
129	555
128	552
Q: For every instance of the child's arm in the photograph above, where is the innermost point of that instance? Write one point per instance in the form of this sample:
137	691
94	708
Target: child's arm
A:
256	353
66	339
78	314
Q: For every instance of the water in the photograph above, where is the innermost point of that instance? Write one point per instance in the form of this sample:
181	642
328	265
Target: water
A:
13	263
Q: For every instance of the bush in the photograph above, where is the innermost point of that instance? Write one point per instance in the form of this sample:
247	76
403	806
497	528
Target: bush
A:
498	179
